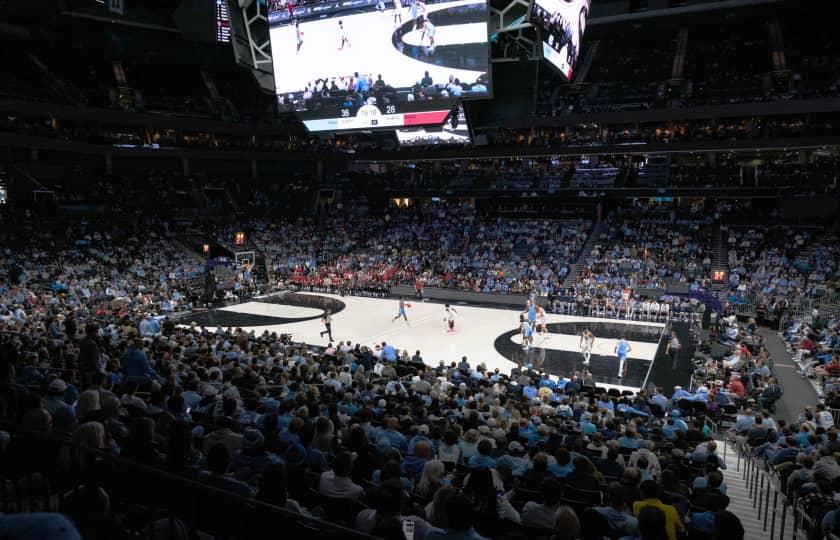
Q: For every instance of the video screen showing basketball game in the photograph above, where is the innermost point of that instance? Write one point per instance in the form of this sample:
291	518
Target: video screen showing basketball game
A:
345	65
563	23
455	130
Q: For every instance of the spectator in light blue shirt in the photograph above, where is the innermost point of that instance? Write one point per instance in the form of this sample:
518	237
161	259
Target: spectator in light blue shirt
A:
587	427
628	440
660	399
605	402
361	84
482	458
679	394
389	353
563	467
529	391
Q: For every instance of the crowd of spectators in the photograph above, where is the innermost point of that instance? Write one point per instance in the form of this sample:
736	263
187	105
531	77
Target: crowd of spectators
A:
814	344
439	245
779	267
457	449
643	248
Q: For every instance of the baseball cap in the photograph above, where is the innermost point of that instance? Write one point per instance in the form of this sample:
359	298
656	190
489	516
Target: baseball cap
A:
515	447
252	439
57	385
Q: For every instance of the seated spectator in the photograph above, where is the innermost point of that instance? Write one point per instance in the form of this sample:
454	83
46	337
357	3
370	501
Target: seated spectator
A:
387	515
337	483
489	505
218	463
543	515
273	489
483	457
460	519
650	498
620	520
567	526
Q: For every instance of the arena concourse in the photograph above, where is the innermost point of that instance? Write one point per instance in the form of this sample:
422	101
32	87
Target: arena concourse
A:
596	301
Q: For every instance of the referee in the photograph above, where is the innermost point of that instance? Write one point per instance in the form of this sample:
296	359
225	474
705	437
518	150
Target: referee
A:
673	349
327	320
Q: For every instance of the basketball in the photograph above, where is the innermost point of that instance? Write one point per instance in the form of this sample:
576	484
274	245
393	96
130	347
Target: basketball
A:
408	305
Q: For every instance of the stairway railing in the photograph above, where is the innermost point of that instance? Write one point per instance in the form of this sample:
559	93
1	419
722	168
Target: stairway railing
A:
762	483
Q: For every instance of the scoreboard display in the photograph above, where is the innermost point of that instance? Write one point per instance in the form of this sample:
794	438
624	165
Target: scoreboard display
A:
349	65
222	22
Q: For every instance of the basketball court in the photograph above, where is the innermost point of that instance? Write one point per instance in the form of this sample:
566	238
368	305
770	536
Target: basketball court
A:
487	335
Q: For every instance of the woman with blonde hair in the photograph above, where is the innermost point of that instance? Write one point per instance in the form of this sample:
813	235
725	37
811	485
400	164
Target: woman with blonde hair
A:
431	478
88	404
90	435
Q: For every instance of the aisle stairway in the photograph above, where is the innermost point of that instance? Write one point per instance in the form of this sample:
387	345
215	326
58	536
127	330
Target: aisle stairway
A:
585	253
757	525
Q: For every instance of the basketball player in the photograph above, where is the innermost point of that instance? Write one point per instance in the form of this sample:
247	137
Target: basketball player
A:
622	349
327	320
397	12
654	310
343	35
527	332
645	309
449	317
587	341
541	327
428	31
402	311
299	36
530	312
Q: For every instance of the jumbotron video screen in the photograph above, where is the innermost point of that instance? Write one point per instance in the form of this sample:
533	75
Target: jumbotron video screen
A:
345	65
563	23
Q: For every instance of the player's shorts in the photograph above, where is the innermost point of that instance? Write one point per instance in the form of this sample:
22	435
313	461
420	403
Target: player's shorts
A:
541	321
402	311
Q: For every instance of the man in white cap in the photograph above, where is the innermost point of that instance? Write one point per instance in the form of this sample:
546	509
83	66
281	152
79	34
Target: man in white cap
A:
54	400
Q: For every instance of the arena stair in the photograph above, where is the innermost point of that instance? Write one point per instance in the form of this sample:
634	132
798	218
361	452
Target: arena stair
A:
585	255
720	256
778	44
752	496
679	57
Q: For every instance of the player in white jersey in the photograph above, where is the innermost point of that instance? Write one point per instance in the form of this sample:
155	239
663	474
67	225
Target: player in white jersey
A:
587	341
327	320
428	32
632	306
541	326
645	310
343	35
654	310
449	317
397	11
298	35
